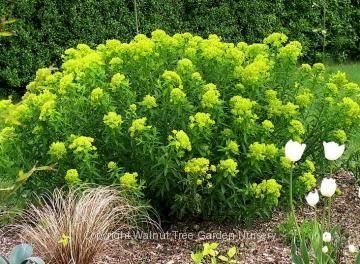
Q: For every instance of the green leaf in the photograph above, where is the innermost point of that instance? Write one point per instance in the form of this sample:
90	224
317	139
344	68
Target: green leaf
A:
3	260
357	261
304	251
197	257
20	253
10	21
223	258
213	260
294	257
231	252
6	34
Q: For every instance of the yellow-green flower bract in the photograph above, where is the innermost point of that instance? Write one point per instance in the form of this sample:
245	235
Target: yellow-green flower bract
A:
340	136
177	95
296	127
260	151
197	166
6	134
268	189
138	126
286	163
276	39
118	80
129	179
229	166
211	96
180	140
112	120
232	146
96	95
308	180
82	145
173	78
72	177
57	150
149	102
112	165
268	125
201	120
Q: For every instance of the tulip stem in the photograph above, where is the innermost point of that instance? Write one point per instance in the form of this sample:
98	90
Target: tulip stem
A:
292	208
329	201
329	212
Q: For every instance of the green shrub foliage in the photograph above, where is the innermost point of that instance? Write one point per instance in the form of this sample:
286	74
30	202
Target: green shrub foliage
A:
46	28
198	124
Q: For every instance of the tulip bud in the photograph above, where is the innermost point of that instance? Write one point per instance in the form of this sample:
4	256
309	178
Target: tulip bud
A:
312	198
327	237
325	249
353	248
294	150
328	187
333	150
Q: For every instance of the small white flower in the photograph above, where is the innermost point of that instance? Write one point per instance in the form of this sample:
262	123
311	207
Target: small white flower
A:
325	249
333	150
294	150
353	248
312	198
328	187
327	237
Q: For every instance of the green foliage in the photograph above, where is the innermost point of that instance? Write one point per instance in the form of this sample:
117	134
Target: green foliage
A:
198	124
46	29
210	254
309	247
288	228
21	254
3	24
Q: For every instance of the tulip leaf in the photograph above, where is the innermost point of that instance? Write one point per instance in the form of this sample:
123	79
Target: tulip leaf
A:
357	261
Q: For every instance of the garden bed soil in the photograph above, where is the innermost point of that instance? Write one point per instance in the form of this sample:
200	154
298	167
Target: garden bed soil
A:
258	244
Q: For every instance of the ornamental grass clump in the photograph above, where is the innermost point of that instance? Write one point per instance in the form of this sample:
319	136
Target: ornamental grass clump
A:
76	226
200	121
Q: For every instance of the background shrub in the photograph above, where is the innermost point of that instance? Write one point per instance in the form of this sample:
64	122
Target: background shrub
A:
46	28
198	124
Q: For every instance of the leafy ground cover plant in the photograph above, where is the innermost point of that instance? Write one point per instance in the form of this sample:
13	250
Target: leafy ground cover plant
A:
210	254
196	124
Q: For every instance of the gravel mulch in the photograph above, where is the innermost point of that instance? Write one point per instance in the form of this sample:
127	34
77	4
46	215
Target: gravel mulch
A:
258	244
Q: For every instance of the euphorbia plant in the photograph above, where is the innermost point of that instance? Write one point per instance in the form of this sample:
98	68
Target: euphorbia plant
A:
202	122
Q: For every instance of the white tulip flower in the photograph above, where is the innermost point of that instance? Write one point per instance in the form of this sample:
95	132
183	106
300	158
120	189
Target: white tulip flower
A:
327	237
328	187
325	249
294	150
333	150
353	248
312	198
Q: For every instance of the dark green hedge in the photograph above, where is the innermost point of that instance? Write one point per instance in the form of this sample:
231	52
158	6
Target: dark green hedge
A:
46	27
